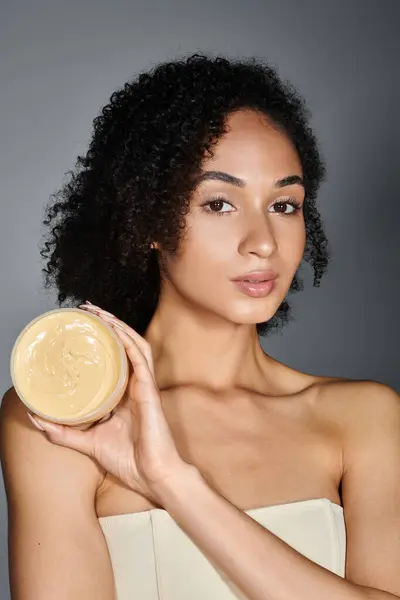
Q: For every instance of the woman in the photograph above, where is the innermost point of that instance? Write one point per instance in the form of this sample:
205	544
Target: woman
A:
223	473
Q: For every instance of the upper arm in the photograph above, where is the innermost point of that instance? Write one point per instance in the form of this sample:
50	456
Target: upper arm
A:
371	486
56	546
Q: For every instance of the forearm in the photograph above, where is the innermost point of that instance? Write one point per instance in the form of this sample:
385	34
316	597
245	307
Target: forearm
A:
260	564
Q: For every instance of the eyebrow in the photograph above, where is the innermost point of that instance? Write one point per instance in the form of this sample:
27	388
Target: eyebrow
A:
227	178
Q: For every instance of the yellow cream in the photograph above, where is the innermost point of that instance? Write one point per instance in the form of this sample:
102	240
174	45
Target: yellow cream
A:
69	366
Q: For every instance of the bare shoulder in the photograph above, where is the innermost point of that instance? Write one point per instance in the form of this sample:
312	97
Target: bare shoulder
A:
341	399
22	446
355	393
348	403
356	404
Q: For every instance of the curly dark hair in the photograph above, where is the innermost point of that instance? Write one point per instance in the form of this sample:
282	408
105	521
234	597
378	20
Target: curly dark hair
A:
134	185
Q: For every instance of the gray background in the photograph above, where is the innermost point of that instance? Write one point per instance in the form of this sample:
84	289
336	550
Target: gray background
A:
61	60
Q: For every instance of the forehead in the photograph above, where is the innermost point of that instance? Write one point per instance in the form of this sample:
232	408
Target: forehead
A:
253	146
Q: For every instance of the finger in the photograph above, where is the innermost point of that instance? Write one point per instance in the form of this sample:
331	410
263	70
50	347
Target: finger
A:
148	399
106	417
140	341
142	344
95	309
104	313
62	435
139	362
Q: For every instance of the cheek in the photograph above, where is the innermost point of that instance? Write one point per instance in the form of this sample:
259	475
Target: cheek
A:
206	256
292	244
202	264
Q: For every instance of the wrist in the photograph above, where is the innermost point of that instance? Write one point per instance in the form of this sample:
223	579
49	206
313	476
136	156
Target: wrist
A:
177	486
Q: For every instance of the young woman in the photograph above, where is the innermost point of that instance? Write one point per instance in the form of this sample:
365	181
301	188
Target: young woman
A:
223	473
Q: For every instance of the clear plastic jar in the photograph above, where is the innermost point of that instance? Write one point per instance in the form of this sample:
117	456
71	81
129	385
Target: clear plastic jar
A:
70	367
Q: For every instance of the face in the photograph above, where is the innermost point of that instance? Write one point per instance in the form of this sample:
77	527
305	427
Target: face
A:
246	215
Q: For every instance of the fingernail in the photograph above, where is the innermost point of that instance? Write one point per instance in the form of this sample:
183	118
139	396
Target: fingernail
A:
97	310
34	422
105	313
113	322
47	427
92	309
108	316
87	304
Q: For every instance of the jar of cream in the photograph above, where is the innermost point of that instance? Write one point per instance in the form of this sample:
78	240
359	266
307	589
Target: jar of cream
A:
68	366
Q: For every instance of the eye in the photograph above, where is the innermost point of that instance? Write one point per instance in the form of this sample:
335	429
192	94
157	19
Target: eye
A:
215	205
283	204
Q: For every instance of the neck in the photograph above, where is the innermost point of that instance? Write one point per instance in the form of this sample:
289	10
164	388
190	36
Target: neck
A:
204	350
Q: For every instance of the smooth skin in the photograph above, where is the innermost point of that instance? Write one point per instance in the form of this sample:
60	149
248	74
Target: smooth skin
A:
212	425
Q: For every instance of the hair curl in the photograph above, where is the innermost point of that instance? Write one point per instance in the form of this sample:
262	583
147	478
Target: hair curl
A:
135	182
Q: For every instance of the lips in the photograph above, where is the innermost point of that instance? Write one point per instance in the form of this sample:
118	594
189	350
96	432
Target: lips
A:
257	276
253	280
259	289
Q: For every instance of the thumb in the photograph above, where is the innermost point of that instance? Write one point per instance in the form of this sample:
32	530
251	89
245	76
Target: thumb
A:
62	435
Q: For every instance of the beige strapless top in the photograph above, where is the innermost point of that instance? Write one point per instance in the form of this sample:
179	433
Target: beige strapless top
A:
153	559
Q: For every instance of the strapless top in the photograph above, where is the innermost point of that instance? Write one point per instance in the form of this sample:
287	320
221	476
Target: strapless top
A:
153	559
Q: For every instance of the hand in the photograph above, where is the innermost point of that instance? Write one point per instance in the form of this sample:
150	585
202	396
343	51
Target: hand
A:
135	443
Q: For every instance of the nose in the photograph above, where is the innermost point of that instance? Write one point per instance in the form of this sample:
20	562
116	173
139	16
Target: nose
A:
259	238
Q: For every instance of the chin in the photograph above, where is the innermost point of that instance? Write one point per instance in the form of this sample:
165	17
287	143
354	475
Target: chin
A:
253	316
